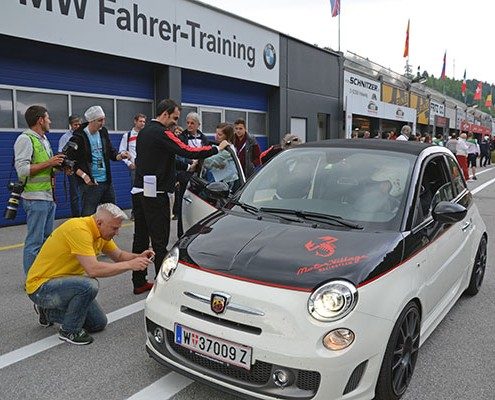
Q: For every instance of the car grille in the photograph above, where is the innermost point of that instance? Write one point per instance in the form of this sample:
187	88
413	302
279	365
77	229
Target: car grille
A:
355	377
259	374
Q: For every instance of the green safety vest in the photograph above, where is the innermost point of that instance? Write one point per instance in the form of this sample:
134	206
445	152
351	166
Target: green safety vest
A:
42	181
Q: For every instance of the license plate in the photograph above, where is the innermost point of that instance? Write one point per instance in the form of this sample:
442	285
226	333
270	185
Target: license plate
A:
211	346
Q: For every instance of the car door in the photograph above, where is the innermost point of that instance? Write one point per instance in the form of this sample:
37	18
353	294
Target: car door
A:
440	273
224	167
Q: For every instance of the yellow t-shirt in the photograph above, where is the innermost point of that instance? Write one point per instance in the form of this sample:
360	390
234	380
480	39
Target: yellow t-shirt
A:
57	257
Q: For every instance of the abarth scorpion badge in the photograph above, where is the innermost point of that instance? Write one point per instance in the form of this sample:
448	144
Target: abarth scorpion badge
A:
219	302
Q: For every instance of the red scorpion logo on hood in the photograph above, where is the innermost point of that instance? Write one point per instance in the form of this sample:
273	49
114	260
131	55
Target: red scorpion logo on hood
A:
325	248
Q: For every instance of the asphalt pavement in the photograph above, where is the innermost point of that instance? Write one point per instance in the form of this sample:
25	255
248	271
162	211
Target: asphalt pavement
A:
456	362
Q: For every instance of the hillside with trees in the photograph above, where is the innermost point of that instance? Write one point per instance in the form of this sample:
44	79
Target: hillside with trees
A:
452	88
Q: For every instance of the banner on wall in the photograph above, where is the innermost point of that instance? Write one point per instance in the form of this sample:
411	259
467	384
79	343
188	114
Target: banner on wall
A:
394	95
436	108
460	116
450	114
378	109
360	86
170	32
469	127
422	106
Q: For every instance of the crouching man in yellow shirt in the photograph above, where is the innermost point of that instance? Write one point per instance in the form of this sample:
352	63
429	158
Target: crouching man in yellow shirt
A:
62	280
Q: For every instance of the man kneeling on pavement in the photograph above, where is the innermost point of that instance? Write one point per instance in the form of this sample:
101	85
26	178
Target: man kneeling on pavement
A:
62	280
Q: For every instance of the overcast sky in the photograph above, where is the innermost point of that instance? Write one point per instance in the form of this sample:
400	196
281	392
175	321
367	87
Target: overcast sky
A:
376	29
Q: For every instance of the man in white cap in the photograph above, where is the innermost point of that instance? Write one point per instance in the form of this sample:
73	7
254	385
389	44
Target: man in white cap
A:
92	158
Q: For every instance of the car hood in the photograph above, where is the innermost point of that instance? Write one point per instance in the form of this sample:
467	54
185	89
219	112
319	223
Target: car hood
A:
290	255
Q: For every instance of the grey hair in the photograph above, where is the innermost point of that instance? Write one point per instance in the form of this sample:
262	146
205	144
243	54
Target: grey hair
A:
406	130
110	209
195	116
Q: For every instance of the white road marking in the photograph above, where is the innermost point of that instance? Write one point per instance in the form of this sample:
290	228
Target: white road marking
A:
52	341
484	185
163	388
487	169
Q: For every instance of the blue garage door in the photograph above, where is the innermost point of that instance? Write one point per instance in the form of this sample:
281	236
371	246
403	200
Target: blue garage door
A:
37	66
219	91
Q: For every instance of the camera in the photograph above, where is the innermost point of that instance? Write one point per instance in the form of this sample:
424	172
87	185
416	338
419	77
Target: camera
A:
15	188
68	151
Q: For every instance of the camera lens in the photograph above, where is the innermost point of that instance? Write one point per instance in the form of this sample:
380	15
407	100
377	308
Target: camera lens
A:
14	200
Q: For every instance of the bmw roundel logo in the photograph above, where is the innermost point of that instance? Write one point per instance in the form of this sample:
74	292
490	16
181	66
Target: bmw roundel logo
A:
269	56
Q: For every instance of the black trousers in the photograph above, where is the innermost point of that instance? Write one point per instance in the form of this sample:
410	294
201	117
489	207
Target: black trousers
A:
151	220
183	179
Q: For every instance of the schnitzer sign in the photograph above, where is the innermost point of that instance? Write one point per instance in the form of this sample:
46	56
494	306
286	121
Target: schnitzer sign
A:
360	86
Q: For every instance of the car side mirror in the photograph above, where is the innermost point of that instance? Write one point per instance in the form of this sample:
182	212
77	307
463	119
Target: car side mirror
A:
217	190
448	213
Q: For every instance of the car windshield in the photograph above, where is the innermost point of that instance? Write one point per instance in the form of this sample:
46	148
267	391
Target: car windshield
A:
368	187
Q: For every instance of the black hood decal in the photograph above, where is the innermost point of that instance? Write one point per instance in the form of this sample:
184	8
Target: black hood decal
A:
286	254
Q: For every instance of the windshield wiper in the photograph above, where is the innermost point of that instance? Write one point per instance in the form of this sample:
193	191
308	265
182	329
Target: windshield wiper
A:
255	211
246	207
313	216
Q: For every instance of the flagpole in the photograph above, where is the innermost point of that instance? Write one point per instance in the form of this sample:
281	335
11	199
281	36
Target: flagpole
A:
340	11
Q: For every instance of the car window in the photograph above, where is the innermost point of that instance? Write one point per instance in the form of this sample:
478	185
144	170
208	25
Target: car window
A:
221	168
456	176
435	186
362	185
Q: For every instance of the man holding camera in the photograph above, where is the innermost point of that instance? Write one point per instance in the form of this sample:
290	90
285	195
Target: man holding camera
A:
92	161
35	163
74	123
62	282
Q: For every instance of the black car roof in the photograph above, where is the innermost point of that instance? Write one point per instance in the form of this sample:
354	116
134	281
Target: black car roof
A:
376	144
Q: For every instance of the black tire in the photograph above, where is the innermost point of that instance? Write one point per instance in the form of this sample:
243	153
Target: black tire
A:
478	271
400	355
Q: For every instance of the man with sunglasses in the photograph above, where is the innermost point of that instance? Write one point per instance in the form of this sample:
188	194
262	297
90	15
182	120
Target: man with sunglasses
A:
288	141
156	148
92	157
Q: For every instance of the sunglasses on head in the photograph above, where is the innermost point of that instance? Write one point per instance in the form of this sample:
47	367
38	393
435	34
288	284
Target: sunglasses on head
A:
288	142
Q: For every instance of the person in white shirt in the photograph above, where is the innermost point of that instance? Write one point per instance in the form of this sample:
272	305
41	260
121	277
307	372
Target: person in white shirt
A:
128	143
473	153
75	122
461	152
405	132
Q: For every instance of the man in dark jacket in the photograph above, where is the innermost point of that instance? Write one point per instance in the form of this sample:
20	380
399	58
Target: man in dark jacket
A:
92	157
157	147
248	150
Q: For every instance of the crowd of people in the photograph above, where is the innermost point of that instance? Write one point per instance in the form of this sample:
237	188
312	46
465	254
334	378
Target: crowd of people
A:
61	265
467	147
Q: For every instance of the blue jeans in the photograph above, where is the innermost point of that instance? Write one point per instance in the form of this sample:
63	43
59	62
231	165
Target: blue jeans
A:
92	196
70	302
40	215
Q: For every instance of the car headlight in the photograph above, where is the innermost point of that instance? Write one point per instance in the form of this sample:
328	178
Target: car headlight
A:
169	263
332	301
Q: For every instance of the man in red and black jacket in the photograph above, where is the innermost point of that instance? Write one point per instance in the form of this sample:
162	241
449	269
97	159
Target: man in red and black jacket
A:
156	149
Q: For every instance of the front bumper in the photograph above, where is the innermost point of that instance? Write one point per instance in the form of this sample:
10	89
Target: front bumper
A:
284	337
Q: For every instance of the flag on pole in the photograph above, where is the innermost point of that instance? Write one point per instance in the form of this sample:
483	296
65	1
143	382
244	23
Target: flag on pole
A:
464	85
477	93
488	102
335	7
406	46
443	68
